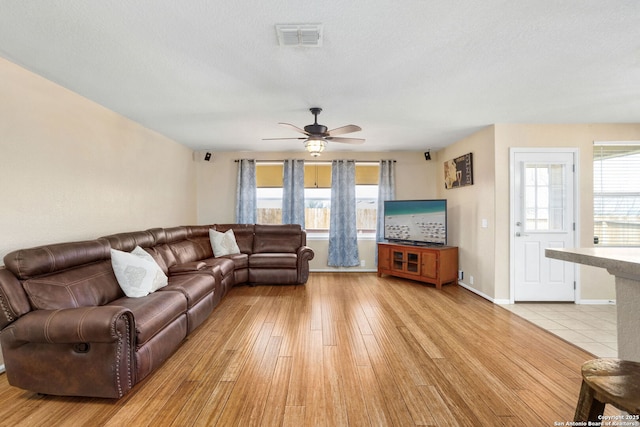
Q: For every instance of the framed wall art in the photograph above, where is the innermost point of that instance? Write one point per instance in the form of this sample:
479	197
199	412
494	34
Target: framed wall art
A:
458	172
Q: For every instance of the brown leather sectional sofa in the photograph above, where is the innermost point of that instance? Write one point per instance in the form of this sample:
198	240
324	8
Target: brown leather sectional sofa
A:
68	329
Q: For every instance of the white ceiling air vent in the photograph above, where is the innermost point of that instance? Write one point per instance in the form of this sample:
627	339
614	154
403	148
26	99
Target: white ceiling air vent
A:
309	35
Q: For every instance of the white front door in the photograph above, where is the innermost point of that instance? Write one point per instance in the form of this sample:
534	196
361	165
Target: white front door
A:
543	185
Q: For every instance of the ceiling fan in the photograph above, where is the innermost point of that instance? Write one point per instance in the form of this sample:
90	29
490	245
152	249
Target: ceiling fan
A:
317	135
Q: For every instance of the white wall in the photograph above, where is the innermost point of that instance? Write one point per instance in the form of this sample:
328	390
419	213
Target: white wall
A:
415	179
71	169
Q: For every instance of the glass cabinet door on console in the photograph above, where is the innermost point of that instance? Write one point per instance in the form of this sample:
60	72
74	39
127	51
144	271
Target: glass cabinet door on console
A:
406	261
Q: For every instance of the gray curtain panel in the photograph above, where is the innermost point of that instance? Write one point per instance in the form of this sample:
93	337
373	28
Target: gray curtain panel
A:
246	192
386	191
293	192
343	233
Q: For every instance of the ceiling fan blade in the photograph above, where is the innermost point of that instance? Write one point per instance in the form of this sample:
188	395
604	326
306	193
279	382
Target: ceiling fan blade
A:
344	129
294	127
277	139
345	140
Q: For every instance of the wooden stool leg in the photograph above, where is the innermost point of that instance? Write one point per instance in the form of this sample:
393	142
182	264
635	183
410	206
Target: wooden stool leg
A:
589	408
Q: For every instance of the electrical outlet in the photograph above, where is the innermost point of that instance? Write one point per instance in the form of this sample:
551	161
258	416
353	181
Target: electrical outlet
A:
471	280
460	274
362	263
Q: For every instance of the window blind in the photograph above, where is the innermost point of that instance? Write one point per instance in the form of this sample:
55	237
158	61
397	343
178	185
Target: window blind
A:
616	193
269	175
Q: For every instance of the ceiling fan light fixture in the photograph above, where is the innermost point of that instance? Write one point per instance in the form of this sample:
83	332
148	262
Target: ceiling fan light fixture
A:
315	145
318	135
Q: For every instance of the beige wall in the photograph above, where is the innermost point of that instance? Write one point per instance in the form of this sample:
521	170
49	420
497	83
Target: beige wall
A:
596	284
468	206
72	170
485	252
415	179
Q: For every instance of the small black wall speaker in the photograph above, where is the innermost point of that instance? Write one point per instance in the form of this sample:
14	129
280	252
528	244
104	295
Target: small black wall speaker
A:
427	155
203	156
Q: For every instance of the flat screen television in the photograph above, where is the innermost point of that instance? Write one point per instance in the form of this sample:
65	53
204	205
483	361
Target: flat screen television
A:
416	221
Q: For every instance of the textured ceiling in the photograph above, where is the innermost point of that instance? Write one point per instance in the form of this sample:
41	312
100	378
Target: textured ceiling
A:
414	74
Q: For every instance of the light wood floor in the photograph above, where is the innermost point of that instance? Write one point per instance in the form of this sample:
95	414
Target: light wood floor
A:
346	349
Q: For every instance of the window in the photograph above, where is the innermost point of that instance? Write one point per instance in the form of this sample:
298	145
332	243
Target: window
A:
616	193
317	195
544	197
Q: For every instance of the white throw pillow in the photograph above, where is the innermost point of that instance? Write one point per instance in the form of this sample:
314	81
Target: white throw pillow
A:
137	272
160	279
223	243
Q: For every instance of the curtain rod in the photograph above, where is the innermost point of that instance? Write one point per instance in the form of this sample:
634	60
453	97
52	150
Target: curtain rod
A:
315	161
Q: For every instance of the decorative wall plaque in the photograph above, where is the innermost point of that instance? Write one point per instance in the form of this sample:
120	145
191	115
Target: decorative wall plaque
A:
458	172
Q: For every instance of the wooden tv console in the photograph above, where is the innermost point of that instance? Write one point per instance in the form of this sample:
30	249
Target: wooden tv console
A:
430	264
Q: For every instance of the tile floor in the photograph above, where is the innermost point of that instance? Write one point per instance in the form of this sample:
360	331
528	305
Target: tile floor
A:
590	327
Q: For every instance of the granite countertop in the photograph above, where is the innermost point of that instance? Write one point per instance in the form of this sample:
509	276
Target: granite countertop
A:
623	262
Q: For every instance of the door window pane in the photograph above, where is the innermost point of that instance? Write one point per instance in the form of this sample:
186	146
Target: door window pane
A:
544	194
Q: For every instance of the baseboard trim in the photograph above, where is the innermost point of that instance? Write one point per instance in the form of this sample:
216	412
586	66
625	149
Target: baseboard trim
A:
2	369
596	302
343	270
482	294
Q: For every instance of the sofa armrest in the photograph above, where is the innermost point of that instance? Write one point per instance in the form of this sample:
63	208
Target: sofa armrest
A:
305	254
73	325
13	300
187	267
87	351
